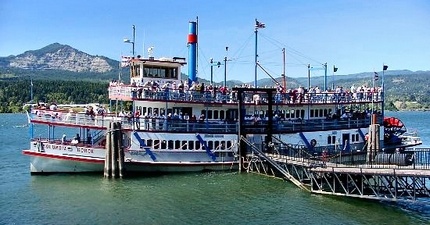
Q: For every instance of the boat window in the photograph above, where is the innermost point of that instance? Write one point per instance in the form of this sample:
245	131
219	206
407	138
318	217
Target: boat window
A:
333	139
229	143
184	145
156	144
197	145
215	112
329	140
353	138
216	145
302	113
161	72
135	71
149	143
221	114
177	144
174	73
210	114
211	145
163	144
321	113
203	112
325	112
146	72
191	145
170	144
312	113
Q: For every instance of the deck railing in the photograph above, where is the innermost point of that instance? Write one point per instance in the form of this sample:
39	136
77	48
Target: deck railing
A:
411	159
127	92
207	126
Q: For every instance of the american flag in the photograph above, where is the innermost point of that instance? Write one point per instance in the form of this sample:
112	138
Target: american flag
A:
258	24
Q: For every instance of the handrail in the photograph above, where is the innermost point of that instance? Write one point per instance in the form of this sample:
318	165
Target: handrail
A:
142	93
182	125
274	164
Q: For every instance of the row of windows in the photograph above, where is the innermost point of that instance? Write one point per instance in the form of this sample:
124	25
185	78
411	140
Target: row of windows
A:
187	145
319	112
331	139
157	72
222	114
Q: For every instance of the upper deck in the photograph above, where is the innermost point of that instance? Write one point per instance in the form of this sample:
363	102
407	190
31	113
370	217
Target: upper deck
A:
166	124
223	96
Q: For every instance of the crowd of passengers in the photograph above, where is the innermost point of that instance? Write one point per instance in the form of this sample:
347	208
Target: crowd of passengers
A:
160	121
199	91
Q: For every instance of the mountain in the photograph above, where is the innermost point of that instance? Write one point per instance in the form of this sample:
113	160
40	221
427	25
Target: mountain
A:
59	57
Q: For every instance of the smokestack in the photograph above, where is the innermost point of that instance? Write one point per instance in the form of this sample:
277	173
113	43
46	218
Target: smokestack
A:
192	52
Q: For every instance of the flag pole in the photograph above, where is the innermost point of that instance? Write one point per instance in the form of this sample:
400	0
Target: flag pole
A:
325	76
256	53
258	25
334	71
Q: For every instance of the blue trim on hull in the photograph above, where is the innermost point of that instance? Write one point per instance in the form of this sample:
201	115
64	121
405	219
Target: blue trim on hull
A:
142	145
308	145
208	150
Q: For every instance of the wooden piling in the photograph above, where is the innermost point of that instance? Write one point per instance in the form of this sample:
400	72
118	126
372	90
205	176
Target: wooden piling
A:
108	168
120	151
114	143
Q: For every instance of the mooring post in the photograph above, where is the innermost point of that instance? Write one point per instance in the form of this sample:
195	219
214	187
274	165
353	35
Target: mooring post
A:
114	154
108	168
120	151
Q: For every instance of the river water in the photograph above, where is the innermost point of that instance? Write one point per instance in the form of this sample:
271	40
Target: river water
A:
189	198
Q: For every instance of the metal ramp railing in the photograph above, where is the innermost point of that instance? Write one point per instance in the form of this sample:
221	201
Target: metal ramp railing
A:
286	174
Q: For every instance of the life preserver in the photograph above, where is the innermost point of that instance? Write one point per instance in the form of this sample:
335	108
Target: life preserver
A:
313	142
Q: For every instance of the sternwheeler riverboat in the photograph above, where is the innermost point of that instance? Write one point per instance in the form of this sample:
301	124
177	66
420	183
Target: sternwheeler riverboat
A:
180	125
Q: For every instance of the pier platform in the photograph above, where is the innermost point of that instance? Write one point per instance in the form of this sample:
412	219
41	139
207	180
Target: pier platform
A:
378	180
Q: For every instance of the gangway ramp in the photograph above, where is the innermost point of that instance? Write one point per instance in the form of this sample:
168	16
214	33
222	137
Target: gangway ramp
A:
274	164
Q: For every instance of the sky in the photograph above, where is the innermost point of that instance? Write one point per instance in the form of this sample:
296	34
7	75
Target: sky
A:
353	35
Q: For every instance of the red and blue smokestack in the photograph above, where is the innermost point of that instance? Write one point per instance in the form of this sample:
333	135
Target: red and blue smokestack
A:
192	53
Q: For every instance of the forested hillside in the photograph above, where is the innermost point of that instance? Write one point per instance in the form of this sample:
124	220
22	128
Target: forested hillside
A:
14	93
403	92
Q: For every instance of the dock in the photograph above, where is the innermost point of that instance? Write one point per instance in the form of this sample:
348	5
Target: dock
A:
366	180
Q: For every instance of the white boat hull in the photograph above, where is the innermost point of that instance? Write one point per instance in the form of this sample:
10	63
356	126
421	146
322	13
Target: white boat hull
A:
46	163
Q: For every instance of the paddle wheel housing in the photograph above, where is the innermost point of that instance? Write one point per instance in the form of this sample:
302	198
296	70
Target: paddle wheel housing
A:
393	129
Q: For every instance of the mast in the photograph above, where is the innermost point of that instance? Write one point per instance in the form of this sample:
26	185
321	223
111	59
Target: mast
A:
225	66
256	54
134	38
197	47
309	76
257	25
284	80
31	90
325	76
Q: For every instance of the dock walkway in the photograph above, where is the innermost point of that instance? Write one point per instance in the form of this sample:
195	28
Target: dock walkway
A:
368	180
